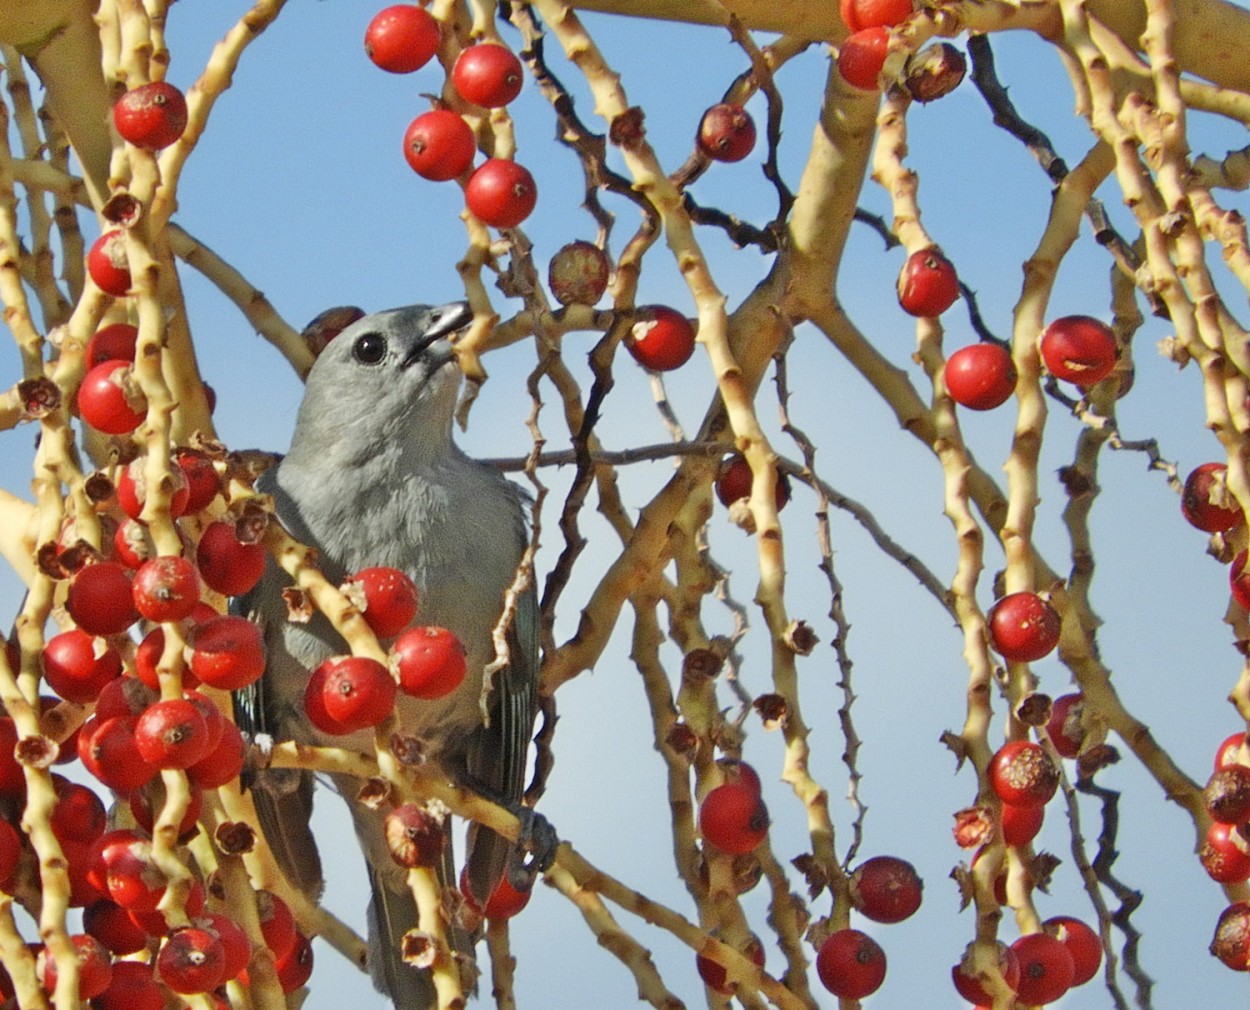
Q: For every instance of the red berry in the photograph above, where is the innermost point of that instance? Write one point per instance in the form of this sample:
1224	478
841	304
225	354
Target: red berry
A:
295	968
357	692
487	75
107	263
927	285
100	599
166	588
733	482
429	662
132	544
10	853
110	400
980	376
109	923
968	983
203	484
862	56
860	14
386	597
151	116
1231	943
1023	774
146	804
95	966
661	338
79	814
172	734
115	342
192	961
740	772
402	38
501	193
227	652
733	818
1227	752
1082	942
77	666
12	777
1022	822
234	942
713	972
504	902
439	145
1223	855
315	703
122	865
227	565
851	964
1079	349
223	763
886	889
726	132
1046	969
132	491
134	987
1023	627
1064	728
1207	502
578	273
277	924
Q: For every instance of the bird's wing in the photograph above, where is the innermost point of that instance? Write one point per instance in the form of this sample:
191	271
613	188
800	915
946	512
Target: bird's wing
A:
497	753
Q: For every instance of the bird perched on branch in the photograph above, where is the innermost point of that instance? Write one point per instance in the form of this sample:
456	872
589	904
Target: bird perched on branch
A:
373	478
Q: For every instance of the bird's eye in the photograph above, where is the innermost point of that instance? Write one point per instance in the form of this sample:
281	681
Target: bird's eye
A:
369	348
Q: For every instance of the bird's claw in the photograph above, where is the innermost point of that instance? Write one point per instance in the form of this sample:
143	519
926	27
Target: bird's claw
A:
535	849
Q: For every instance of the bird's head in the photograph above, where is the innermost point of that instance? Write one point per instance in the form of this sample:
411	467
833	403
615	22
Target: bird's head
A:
388	378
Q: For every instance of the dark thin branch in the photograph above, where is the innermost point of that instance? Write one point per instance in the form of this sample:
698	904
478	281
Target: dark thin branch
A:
976	319
740	232
877	223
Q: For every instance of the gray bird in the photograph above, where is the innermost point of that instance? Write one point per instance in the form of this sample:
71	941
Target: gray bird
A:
373	478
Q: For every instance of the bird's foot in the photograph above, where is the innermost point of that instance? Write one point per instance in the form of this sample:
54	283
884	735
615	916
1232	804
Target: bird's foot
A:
535	849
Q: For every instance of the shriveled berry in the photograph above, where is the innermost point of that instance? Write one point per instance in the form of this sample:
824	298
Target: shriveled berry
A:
1231	943
886	889
1227	795
578	273
414	836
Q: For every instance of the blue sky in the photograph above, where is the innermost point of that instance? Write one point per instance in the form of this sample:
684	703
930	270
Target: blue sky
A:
300	183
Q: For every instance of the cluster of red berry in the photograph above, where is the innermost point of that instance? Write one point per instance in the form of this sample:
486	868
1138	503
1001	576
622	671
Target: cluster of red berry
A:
884	889
439	145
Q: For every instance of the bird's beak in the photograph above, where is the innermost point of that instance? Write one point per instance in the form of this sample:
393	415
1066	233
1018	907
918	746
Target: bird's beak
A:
447	319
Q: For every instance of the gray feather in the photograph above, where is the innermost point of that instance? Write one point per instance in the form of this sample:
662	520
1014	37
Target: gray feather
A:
373	478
